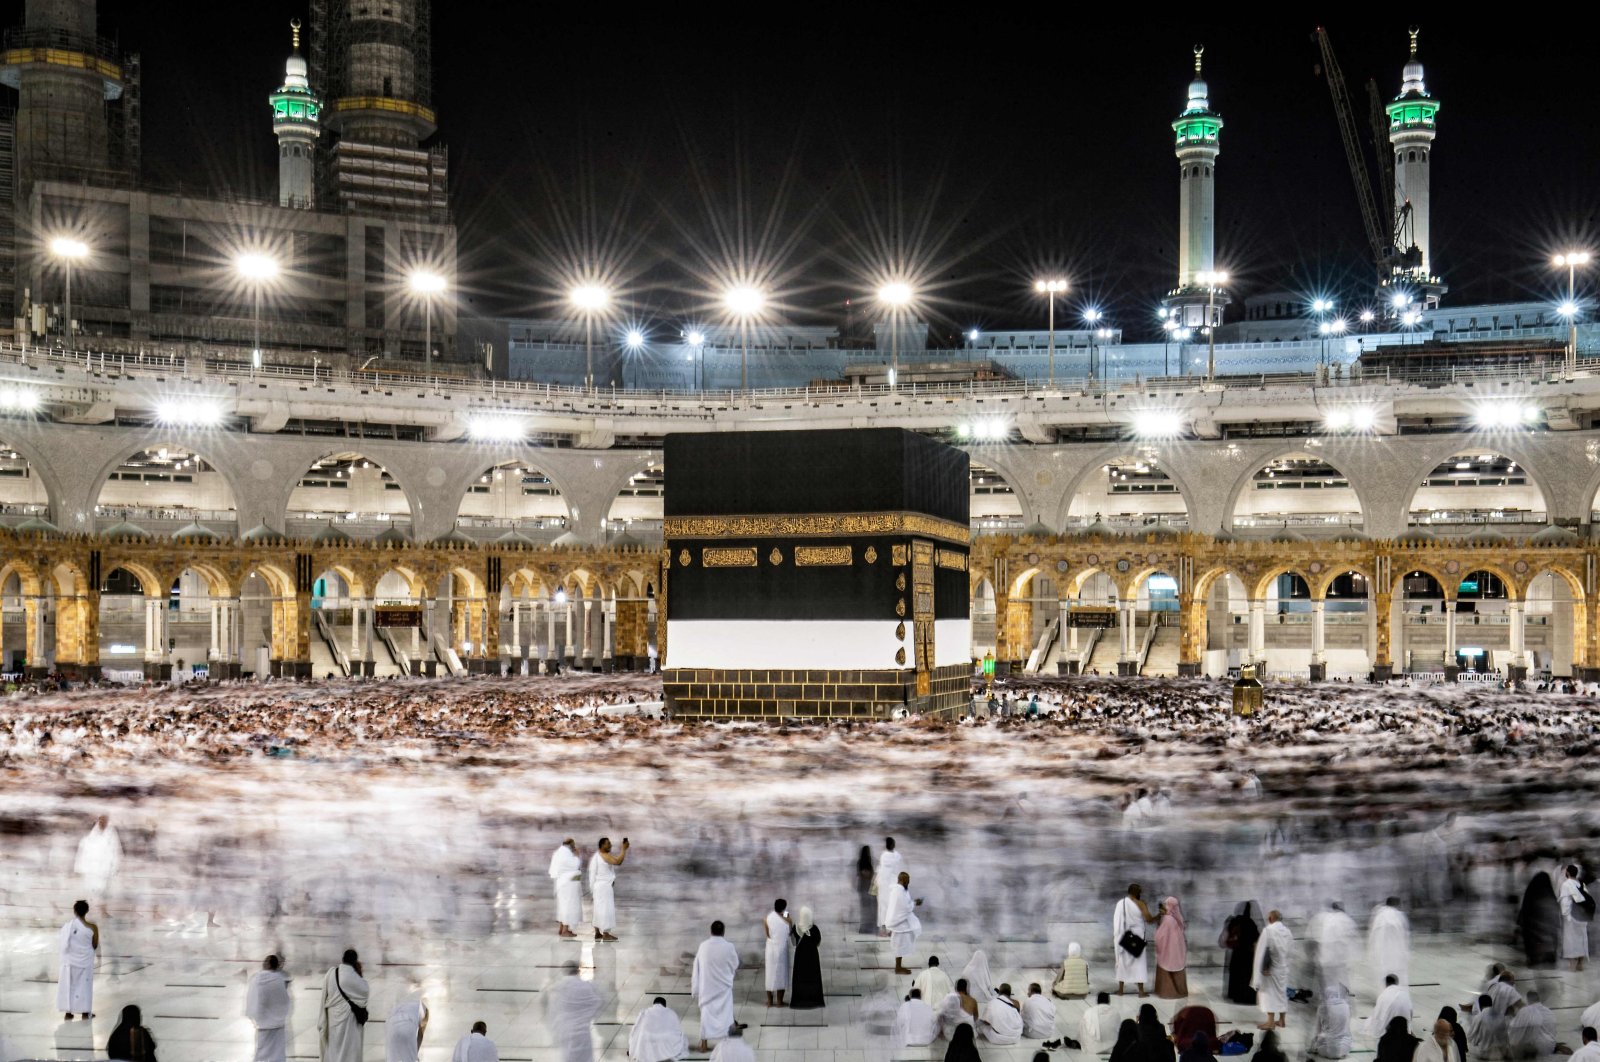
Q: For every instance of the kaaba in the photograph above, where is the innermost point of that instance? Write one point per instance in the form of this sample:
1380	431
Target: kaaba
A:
815	574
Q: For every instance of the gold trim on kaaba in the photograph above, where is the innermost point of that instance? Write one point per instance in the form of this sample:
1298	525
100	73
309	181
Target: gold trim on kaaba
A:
897	556
900	655
822	556
776	556
900	607
683	558
728	556
871	555
900	581
816	525
900	631
949	558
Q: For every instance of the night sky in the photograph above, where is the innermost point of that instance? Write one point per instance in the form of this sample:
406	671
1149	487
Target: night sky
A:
981	153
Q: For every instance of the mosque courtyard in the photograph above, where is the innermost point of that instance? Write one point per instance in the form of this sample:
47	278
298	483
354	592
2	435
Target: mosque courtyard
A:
414	821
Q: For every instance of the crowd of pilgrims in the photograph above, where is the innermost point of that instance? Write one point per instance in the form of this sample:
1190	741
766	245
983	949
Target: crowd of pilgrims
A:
1122	774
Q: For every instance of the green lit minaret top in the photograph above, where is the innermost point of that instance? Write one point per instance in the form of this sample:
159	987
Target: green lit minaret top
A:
1198	124
1413	108
295	108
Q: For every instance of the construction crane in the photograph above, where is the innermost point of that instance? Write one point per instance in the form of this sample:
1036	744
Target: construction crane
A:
1380	235
1378	115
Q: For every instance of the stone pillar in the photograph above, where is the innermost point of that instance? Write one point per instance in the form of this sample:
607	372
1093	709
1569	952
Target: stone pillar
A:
1191	634
1319	640
1067	643
572	653
1381	649
1517	669
585	620
607	636
369	621
1451	668
491	634
516	629
214	654
1258	636
551	657
155	642
1126	664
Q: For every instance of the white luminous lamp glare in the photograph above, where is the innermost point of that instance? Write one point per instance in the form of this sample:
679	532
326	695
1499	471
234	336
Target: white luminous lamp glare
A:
1362	418
1572	258
22	399
198	413
1367	316
1400	302
973	335
425	283
1322	305
1338	326
1568	309
496	427
697	339
895	294
590	297
1092	315
744	301
561	597
66	247
256	266
1156	423
1049	287
635	339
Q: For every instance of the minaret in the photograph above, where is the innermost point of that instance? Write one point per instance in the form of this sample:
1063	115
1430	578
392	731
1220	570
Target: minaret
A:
1198	142
1411	133
296	114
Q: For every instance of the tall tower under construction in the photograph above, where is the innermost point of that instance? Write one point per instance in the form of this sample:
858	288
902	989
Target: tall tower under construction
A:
372	61
1412	128
76	118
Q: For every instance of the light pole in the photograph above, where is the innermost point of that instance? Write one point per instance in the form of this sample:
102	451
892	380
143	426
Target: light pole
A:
1212	281
69	251
1569	309
425	285
744	302
697	340
257	269
590	299
1091	317
1168	326
1050	289
897	296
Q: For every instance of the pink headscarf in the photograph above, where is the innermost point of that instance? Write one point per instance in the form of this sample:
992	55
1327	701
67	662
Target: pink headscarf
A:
1172	949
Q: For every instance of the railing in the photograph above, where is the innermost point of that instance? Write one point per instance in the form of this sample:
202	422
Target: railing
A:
1475	517
1132	521
1288	520
401	659
330	639
1149	639
307	525
524	396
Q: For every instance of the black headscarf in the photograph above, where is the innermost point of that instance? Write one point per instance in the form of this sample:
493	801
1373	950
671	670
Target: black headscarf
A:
1269	1051
1126	1049
130	1041
1539	921
962	1047
1456	1031
1397	1044
1153	1043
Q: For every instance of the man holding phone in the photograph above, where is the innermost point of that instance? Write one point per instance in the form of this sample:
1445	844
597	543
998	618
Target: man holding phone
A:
602	882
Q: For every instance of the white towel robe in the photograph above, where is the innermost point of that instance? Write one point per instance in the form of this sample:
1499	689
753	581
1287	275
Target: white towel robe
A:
338	1033
711	984
1038	1018
266	1004
475	1047
75	989
890	864
400	1031
1393	1002
777	953
1389	945
1128	918
733	1049
904	925
566	871
915	1024
1574	934
999	1022
602	886
573	1004
1272	985
657	1036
